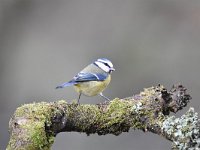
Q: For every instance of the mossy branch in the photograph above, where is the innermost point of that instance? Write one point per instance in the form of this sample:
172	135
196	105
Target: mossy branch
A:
34	126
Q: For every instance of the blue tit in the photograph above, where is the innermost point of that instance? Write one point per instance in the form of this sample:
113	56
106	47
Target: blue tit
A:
93	79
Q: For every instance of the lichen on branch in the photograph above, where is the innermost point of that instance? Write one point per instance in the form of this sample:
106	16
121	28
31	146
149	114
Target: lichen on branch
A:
34	126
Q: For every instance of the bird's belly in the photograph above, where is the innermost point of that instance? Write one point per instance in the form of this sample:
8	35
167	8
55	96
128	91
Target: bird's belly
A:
91	88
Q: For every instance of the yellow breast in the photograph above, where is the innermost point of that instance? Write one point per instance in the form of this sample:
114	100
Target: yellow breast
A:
92	88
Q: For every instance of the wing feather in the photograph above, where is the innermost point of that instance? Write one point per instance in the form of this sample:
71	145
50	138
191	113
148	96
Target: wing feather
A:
84	77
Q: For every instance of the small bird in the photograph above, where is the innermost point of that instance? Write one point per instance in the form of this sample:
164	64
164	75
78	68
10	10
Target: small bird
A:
93	79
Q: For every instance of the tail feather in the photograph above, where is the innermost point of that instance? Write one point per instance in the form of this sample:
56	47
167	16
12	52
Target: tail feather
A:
70	83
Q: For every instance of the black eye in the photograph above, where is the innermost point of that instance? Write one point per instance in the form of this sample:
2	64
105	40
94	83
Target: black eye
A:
106	65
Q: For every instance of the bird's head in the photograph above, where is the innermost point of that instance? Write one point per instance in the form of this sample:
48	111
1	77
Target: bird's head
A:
104	64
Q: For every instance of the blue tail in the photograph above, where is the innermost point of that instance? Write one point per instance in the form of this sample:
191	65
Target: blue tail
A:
70	83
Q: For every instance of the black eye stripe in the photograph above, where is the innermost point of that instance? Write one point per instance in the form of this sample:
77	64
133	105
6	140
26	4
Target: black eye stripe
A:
103	63
106	65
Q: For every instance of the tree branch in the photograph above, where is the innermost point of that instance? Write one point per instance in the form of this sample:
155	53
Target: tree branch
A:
34	126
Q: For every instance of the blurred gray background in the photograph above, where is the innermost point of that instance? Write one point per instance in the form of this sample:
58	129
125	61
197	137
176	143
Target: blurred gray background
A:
46	42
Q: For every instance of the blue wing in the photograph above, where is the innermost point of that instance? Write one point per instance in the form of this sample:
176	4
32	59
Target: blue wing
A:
84	77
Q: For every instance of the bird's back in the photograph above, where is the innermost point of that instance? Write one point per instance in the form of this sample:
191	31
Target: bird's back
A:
92	88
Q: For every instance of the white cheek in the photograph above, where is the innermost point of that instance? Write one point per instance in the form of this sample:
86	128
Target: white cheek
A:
103	67
104	61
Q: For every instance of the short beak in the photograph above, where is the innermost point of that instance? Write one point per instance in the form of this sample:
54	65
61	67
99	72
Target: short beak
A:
112	69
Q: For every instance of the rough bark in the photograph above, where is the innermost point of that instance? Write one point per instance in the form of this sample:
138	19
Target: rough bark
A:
34	126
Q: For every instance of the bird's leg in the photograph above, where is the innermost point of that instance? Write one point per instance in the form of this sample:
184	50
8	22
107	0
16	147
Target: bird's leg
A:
101	94
79	96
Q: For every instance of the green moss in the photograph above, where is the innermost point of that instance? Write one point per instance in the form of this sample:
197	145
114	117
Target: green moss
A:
36	132
32	120
112	116
84	116
35	110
